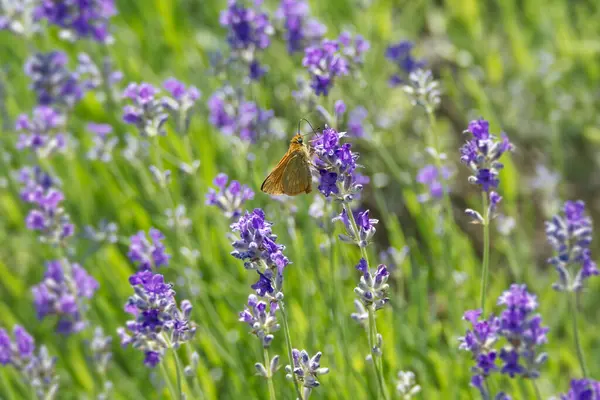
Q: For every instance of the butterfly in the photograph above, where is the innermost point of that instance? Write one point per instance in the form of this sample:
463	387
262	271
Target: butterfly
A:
292	174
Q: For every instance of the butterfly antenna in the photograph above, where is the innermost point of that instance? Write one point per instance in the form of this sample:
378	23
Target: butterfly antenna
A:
309	124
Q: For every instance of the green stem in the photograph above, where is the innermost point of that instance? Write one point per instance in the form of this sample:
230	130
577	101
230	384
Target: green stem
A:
288	342
576	334
170	386
538	395
269	377
486	250
372	333
178	369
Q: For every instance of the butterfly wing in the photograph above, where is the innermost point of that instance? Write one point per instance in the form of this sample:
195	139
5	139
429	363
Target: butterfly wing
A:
296	175
273	184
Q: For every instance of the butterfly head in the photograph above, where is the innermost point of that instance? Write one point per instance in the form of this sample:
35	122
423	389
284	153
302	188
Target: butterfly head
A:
298	139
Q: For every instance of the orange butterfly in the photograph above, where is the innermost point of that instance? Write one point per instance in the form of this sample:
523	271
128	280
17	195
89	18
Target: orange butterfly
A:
292	174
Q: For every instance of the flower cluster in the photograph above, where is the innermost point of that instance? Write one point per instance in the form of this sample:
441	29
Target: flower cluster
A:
181	101
103	142
37	370
79	19
300	30
336	164
356	122
582	389
19	17
62	292
148	252
407	387
261	319
52	81
158	323
229	198
306	370
481	154
431	177
147	112
258	249
42	131
324	63
360	229
400	54
48	217
571	236
249	31
354	48
523	333
372	290
234	116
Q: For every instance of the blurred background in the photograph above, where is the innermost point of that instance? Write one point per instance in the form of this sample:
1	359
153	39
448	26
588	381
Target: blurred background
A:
530	67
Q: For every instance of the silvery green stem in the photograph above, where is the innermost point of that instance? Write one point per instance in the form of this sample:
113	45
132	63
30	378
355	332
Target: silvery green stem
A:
272	395
486	250
288	342
167	379
372	332
573	306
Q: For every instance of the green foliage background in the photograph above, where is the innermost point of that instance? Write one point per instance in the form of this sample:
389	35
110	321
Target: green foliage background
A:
531	67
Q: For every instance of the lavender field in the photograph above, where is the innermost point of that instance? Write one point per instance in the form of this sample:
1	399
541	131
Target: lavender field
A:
429	234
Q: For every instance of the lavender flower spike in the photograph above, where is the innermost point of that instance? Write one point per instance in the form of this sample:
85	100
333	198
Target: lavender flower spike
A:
582	389
146	111
372	290
63	293
36	368
306	370
52	81
300	30
157	324
482	154
336	163
258	249
571	236
261	319
325	63
229	198
148	254
42	132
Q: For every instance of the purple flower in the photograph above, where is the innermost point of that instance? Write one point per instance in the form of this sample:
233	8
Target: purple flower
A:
230	199
36	369
103	143
52	81
372	290
249	31
148	252
336	164
258	249
80	19
356	122
582	389
146	111
234	116
42	131
364	225
354	48
155	316
521	333
306	369
431	177
481	155
339	108
299	30
324	63
400	54
62	293
49	217
571	236
261	318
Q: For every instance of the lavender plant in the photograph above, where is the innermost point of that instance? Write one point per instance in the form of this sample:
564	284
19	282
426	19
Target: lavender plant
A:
299	29
37	368
249	31
514	338
229	198
336	164
571	236
482	154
